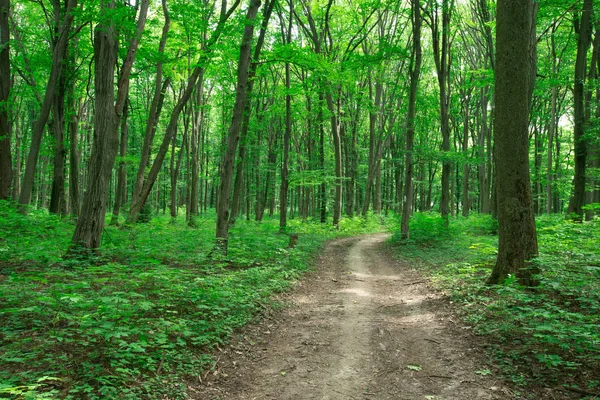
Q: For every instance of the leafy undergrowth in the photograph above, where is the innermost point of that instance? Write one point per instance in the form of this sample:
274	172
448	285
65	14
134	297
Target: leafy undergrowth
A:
547	336
142	317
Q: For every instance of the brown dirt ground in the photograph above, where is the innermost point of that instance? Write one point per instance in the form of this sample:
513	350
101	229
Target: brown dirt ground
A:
361	326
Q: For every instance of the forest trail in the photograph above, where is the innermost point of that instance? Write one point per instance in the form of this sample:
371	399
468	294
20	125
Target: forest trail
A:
361	326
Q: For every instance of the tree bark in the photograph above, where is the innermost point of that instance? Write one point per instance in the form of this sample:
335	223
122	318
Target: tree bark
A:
233	137
517	241
58	54
583	29
122	174
5	133
108	112
160	88
415	71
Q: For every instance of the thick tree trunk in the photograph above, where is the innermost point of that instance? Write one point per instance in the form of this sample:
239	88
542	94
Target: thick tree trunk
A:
415	71
5	133
91	220
233	137
517	241
107	115
583	29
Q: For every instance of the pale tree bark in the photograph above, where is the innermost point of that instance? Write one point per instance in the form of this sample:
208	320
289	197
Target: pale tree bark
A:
108	112
415	71
583	30
514	78
226	176
5	152
58	54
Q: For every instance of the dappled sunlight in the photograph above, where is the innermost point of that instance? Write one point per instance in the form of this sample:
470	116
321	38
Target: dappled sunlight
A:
356	291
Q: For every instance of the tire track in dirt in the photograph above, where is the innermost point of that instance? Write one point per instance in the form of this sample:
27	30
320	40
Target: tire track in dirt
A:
361	326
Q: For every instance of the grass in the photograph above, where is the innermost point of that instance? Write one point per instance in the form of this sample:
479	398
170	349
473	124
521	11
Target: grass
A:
143	316
547	336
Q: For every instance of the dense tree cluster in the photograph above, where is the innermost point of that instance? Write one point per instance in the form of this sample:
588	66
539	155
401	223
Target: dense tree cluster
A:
309	109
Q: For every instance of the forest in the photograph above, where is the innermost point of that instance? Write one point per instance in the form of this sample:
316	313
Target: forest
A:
169	169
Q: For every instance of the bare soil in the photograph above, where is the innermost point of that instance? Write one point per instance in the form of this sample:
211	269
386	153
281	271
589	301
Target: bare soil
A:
363	325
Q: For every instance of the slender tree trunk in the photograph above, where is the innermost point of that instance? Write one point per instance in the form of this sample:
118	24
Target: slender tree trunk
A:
52	86
74	154
5	131
583	29
415	70
283	196
517	243
551	135
465	148
122	174
226	176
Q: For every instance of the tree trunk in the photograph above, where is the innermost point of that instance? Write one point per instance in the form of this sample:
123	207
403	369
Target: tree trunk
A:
160	88
415	70
465	147
283	196
108	112
517	241
5	132
52	86
122	174
226	176
74	154
583	29
91	220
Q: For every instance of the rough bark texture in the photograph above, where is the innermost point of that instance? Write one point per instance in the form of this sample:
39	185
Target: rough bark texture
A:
106	141
583	29
233	137
415	71
5	155
517	241
108	112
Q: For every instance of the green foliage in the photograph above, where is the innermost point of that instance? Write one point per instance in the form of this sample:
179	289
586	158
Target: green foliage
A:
547	335
144	314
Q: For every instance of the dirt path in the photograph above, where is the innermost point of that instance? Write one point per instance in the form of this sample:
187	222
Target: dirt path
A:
362	326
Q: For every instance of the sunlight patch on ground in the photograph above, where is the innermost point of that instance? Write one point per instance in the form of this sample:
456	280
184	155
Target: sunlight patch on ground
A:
357	291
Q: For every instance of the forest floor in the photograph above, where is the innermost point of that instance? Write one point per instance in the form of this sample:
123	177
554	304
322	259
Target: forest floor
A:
362	325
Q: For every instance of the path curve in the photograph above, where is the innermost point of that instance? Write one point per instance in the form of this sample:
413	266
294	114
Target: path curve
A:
361	326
